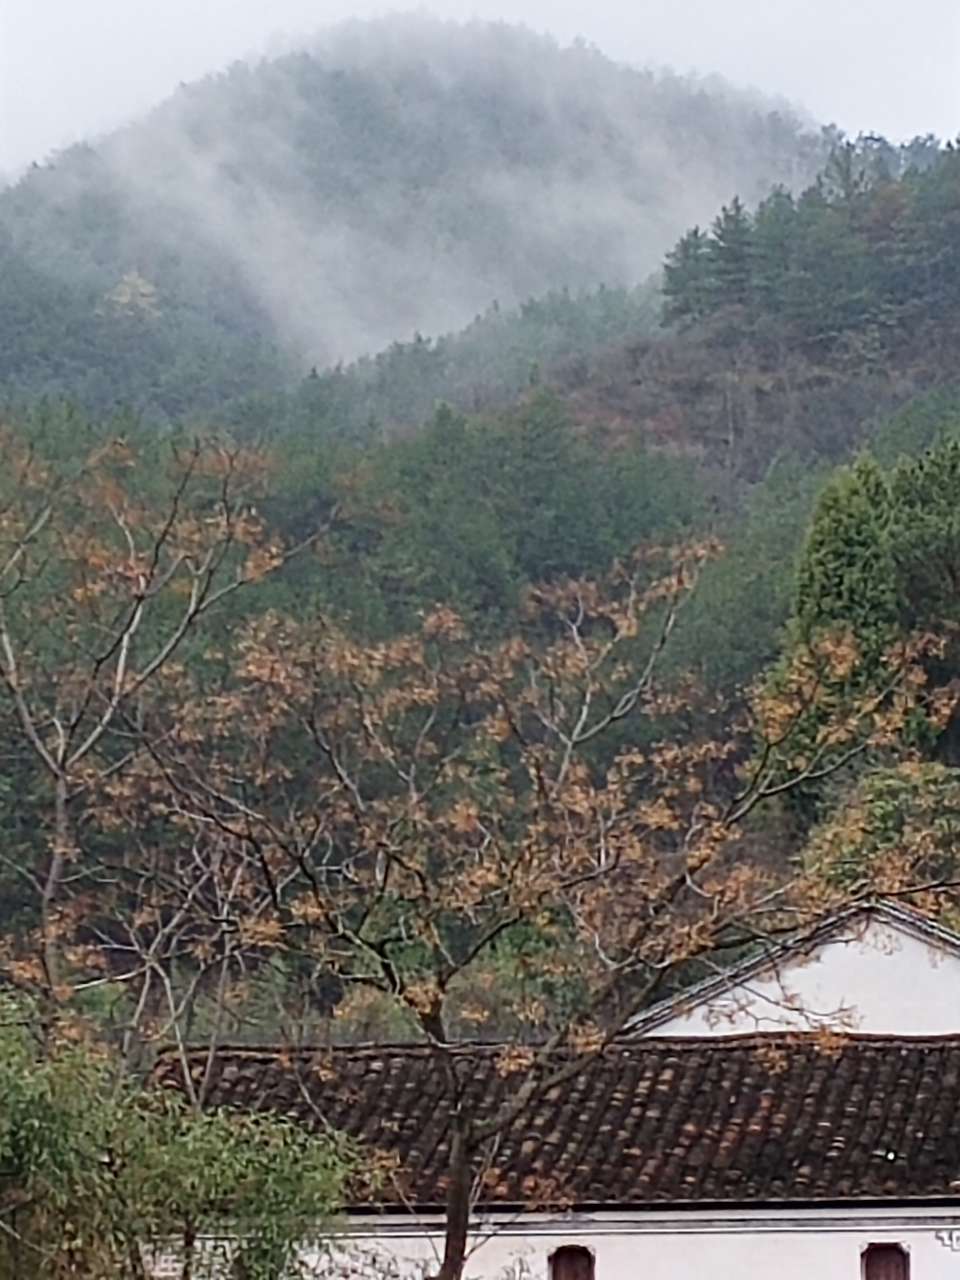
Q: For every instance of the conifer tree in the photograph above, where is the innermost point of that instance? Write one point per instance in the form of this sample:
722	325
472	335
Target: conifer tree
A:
774	237
730	252
686	279
847	573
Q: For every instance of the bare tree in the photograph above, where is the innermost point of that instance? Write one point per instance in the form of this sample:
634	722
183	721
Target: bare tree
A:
108	563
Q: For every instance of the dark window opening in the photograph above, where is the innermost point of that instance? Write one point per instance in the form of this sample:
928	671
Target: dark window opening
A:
572	1262
885	1262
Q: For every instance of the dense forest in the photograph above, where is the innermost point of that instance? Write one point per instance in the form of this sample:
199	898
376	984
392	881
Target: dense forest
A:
398	177
381	696
571	431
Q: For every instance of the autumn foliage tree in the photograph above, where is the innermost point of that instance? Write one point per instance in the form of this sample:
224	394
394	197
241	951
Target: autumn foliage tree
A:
111	555
521	839
259	823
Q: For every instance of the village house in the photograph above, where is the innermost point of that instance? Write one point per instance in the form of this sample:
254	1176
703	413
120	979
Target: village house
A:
796	1116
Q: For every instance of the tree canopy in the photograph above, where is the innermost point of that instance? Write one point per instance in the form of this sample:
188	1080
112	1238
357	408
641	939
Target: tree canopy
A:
486	687
100	1178
868	249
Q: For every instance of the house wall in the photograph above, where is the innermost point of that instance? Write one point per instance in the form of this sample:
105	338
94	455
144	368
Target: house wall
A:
789	1246
869	977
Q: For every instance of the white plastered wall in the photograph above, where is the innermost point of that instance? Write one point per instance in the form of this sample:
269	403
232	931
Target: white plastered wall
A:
670	1246
871	977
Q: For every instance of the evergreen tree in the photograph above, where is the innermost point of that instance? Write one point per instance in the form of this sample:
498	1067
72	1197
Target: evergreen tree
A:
687	279
730	254
847	575
774	237
867	251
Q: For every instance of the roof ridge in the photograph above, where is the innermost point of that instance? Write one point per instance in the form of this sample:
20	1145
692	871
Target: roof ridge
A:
806	937
365	1046
620	1043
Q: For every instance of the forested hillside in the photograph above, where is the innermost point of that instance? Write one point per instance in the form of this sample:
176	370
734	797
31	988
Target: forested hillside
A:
789	334
483	686
728	419
398	177
869	249
786	326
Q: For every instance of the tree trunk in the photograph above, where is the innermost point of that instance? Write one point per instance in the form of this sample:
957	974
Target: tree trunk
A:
189	1244
51	888
458	1206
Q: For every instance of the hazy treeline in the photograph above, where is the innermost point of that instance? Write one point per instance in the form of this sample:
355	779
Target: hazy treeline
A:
871	245
488	364
397	178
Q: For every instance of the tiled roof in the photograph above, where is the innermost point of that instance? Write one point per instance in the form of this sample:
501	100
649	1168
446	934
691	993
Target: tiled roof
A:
793	1118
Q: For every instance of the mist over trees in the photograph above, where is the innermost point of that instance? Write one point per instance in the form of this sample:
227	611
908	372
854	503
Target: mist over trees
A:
870	247
398	177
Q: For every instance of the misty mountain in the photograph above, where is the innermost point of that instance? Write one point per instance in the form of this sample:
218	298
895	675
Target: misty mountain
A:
396	177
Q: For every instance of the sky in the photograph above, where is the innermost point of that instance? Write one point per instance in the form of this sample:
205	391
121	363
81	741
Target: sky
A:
70	69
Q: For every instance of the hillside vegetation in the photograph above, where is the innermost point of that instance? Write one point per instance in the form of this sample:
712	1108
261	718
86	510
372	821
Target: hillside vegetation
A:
356	684
729	419
398	177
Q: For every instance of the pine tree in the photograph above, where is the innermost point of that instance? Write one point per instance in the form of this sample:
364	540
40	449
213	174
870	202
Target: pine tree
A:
774	238
686	279
730	253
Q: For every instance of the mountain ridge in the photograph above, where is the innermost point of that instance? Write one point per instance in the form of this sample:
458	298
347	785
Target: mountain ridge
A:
397	179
